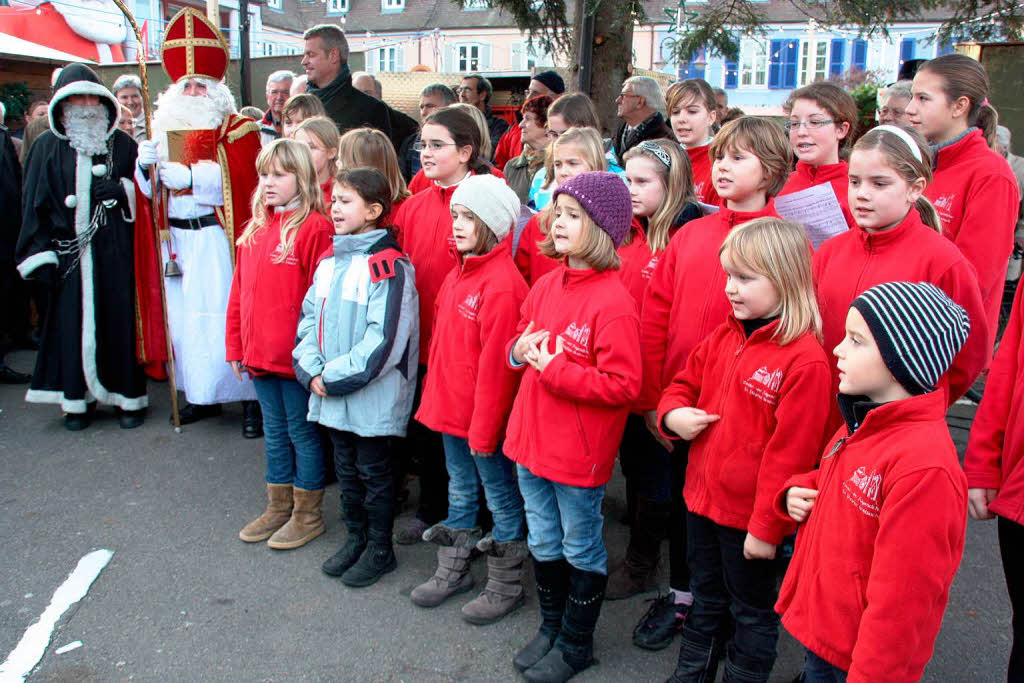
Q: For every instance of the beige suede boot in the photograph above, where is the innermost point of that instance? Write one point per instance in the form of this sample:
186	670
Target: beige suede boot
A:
279	509
307	521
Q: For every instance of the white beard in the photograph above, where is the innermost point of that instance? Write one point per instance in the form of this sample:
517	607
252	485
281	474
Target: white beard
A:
87	127
96	20
176	111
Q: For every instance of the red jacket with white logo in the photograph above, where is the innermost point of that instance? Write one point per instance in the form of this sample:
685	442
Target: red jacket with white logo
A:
700	164
531	263
977	197
469	388
848	264
995	452
837	175
773	401
265	303
567	422
638	263
684	300
874	561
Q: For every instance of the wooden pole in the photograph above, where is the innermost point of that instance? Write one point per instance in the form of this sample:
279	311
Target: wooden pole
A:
154	206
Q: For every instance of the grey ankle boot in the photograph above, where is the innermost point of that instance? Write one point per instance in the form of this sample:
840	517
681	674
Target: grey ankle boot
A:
504	590
452	575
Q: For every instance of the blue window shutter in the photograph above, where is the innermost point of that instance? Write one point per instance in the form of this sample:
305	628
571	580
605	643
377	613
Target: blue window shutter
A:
775	64
860	54
945	48
835	66
791	54
700	55
732	75
907	49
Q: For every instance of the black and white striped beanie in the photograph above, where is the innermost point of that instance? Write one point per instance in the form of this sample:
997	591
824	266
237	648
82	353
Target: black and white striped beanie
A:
918	330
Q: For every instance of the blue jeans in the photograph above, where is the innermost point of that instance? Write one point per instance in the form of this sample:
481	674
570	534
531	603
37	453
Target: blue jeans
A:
817	670
564	522
294	451
466	473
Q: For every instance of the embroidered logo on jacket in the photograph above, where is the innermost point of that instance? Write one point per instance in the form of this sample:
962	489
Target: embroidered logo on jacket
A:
648	272
577	339
944	207
698	191
862	489
764	384
470	307
290	260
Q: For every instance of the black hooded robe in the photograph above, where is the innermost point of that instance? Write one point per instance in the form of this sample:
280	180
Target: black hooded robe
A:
87	352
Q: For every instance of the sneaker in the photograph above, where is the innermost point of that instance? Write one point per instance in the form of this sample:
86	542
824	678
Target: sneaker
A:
409	530
661	623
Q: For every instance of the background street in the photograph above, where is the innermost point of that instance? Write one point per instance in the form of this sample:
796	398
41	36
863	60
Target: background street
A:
183	599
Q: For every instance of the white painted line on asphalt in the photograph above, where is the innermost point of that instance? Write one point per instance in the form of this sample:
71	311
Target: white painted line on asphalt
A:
69	647
33	643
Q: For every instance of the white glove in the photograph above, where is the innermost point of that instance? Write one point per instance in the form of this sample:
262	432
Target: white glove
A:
149	154
175	176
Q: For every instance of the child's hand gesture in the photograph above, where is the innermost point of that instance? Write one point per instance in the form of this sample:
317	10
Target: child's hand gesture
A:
688	422
538	356
799	502
978	501
479	454
527	339
316	385
756	549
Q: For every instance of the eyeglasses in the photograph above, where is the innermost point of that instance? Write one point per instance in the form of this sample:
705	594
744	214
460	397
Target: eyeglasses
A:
464	89
813	124
624	95
432	145
895	113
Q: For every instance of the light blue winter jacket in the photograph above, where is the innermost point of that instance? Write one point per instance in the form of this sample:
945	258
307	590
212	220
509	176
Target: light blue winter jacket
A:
361	336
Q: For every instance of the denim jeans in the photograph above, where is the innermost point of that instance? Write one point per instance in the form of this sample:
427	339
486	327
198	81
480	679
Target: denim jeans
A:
564	522
292	444
497	473
724	582
817	670
363	466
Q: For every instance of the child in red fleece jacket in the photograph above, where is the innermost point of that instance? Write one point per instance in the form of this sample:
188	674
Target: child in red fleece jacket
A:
752	401
884	516
692	112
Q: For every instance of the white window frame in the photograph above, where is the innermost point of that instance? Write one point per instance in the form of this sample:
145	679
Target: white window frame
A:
392	5
275	4
464	58
336	6
808	74
475	5
387	59
753	65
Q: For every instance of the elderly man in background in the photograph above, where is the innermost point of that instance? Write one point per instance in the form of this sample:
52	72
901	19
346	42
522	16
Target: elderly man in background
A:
433	97
477	90
893	101
128	91
299	85
402	125
279	85
721	104
641	107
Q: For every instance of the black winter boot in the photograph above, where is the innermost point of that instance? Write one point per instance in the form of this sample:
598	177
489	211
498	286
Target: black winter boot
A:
355	521
744	669
378	558
698	659
552	589
574	648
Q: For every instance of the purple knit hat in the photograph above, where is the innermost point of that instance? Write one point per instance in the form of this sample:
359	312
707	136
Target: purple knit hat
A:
606	200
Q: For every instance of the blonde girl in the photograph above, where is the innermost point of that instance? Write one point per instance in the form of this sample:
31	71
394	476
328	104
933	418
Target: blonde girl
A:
321	134
276	258
753	401
369	147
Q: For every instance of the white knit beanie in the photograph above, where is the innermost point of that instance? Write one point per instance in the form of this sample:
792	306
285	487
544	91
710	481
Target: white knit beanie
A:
492	200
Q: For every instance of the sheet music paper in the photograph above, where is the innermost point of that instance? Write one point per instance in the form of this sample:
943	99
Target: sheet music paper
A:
817	209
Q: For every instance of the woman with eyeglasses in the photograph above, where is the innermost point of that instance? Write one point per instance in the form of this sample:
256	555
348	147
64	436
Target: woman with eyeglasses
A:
822	120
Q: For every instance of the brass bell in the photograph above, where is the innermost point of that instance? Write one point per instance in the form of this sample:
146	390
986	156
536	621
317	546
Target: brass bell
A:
171	268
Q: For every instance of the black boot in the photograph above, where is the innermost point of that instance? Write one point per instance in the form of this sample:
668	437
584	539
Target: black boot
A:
355	521
743	669
190	412
639	570
574	648
552	589
252	420
378	558
698	659
76	422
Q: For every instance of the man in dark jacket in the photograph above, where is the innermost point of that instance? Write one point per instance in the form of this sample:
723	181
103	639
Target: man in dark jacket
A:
325	60
13	316
477	90
402	125
640	105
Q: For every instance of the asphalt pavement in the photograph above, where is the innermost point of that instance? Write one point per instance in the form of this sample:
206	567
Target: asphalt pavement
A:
184	600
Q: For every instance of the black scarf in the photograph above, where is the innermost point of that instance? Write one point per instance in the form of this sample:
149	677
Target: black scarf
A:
331	91
632	137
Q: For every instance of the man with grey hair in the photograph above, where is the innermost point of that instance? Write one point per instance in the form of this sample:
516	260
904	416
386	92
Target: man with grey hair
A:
1005	148
433	97
477	90
325	59
721	104
402	125
279	85
128	91
892	103
641	107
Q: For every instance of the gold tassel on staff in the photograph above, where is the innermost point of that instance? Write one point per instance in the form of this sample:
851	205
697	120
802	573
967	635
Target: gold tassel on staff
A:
155	211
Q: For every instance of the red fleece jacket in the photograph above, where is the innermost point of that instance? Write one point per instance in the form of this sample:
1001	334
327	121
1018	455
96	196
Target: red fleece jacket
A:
684	301
638	263
700	163
870	577
265	303
977	197
848	264
995	451
531	263
469	388
837	175
509	146
567	422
